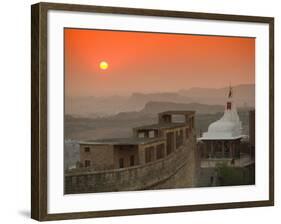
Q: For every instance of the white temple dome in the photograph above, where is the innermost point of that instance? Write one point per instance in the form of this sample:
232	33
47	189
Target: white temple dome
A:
221	126
227	127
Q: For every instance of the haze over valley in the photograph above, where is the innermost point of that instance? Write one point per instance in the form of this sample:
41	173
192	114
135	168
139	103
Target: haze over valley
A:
95	118
199	98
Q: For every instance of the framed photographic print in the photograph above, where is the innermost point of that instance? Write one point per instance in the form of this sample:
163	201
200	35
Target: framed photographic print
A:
141	111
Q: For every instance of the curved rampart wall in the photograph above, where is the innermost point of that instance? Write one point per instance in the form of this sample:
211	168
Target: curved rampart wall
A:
176	170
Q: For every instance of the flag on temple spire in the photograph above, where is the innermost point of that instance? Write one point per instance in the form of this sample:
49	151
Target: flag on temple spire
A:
230	92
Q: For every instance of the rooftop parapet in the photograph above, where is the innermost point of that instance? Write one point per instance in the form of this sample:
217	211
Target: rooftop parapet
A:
167	116
122	141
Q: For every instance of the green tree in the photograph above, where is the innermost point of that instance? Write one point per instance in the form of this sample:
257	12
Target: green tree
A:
229	176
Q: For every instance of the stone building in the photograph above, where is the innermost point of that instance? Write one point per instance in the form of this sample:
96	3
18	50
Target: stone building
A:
161	155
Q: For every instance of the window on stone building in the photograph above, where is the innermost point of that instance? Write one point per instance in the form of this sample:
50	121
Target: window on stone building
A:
170	142
121	163
192	122
178	118
179	139
141	135
160	151
149	154
132	160
87	163
187	132
151	134
87	149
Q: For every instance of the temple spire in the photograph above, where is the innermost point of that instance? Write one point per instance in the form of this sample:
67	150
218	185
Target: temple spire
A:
230	93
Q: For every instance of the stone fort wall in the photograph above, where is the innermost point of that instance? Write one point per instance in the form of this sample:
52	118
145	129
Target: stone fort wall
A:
177	170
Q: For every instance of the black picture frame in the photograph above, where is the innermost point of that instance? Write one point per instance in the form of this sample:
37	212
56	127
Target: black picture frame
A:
39	107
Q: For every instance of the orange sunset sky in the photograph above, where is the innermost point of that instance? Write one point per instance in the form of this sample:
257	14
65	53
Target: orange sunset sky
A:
153	62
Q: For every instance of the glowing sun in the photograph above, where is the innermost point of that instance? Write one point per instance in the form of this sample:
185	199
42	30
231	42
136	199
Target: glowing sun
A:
103	65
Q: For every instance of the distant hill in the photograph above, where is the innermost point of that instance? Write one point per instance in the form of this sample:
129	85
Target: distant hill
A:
156	107
94	107
143	98
244	95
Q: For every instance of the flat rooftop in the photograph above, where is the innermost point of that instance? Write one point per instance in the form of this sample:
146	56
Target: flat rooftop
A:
122	141
221	137
178	112
161	125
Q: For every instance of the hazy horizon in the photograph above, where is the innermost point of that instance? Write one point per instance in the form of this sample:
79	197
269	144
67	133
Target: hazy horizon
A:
128	94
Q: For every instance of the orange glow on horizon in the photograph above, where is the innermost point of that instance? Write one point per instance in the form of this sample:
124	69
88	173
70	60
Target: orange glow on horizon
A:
153	62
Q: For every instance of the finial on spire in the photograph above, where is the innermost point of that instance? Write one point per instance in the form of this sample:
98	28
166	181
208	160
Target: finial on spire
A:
230	92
